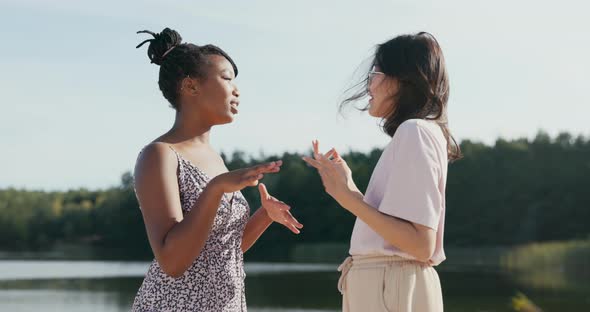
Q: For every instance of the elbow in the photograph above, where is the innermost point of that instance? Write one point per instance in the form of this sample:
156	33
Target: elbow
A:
172	265
425	250
173	270
175	273
424	254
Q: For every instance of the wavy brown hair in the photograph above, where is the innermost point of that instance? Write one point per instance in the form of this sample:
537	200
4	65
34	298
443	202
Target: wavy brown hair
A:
417	62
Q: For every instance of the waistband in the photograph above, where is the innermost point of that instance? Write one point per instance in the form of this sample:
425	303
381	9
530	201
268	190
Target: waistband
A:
369	261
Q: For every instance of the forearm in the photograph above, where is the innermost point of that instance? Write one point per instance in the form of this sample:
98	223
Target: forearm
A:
398	232
184	242
257	224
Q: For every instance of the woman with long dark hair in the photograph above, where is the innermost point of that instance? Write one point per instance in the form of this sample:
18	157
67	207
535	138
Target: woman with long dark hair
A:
398	234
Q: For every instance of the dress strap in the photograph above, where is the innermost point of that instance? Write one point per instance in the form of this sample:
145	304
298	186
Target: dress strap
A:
178	157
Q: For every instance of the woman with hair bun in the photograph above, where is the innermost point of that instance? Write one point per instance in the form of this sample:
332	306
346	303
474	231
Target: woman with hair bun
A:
197	221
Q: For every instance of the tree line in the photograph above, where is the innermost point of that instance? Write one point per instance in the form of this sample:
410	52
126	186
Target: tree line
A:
512	192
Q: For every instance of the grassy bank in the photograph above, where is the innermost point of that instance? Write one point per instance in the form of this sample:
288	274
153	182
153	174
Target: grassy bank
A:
552	265
549	256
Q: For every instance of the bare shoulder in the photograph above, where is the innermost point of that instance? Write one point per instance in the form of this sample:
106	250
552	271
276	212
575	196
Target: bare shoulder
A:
155	155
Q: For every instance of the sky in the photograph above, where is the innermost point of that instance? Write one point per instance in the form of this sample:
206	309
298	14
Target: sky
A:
78	101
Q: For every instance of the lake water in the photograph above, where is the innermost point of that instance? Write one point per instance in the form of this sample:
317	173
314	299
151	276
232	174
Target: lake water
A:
28	285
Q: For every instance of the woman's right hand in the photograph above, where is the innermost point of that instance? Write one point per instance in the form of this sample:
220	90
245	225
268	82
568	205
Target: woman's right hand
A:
335	174
334	157
238	179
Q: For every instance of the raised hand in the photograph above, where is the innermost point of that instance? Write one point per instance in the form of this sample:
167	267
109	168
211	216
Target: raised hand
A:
334	157
335	173
278	211
236	180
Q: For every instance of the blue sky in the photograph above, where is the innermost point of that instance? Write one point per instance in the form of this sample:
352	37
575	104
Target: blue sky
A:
79	101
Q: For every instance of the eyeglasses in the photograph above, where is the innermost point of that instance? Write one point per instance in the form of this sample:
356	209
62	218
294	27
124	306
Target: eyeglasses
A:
372	75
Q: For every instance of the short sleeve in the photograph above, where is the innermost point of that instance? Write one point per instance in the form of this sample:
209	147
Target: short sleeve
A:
412	189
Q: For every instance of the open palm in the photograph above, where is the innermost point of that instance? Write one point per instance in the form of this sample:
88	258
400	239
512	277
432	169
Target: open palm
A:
278	211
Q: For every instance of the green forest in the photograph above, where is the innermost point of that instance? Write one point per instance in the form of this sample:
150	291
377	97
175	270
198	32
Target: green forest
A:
511	193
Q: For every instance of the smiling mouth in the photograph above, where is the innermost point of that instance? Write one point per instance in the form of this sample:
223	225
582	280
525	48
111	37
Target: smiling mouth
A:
234	107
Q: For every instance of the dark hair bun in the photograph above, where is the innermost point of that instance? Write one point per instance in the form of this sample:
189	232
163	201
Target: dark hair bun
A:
162	44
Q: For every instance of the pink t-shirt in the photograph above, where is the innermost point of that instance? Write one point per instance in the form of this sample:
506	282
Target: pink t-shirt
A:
409	183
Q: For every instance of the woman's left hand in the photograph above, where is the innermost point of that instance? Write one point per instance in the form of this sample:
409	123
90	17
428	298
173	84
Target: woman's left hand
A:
278	211
336	175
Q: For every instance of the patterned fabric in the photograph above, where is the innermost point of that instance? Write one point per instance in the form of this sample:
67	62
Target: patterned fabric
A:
215	280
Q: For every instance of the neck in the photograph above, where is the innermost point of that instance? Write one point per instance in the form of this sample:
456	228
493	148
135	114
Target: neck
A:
190	130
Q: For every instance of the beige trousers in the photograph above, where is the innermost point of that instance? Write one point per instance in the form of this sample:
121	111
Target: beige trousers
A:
388	284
